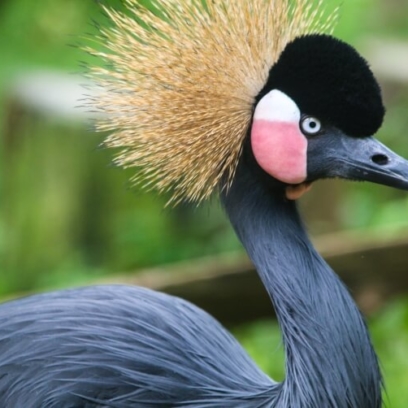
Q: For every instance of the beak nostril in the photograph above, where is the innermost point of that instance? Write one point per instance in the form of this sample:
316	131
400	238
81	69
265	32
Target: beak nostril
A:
380	159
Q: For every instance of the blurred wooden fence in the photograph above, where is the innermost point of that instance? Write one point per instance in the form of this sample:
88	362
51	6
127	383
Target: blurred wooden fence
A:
373	266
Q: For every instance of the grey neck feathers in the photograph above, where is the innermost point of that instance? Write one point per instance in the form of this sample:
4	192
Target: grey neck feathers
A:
330	361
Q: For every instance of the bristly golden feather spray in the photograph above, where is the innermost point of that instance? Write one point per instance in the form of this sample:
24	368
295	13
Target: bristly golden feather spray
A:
183	75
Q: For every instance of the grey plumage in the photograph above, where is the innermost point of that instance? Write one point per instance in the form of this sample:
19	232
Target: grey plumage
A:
121	346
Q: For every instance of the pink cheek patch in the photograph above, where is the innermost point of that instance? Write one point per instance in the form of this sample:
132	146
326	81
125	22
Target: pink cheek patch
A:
280	149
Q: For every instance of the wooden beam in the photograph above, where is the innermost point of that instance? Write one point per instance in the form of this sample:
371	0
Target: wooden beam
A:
373	266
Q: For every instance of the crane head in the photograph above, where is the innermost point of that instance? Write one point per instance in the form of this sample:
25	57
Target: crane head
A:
184	88
316	115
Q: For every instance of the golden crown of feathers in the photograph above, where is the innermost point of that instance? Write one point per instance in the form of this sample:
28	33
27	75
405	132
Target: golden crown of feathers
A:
181	80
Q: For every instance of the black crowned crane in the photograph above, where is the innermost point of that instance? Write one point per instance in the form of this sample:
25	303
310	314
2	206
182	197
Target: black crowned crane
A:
255	100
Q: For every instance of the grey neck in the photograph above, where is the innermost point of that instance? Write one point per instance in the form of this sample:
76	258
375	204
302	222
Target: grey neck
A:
330	361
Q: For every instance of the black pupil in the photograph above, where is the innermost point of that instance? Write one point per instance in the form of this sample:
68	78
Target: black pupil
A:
313	125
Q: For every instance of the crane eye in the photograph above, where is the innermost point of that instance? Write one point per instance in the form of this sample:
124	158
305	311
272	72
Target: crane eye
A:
310	125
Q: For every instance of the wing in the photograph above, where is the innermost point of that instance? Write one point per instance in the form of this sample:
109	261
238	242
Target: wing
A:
121	346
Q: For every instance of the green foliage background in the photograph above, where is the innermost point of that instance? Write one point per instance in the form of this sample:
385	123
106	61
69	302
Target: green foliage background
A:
68	217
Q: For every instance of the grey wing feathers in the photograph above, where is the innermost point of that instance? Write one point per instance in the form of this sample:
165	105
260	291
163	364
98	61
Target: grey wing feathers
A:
120	346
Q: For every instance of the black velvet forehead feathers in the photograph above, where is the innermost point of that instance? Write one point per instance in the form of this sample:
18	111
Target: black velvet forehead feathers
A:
328	79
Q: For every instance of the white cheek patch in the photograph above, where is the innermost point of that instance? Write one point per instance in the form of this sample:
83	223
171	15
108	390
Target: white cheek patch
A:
278	144
276	106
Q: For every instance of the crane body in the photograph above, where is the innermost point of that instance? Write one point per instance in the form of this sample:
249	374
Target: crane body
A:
121	346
